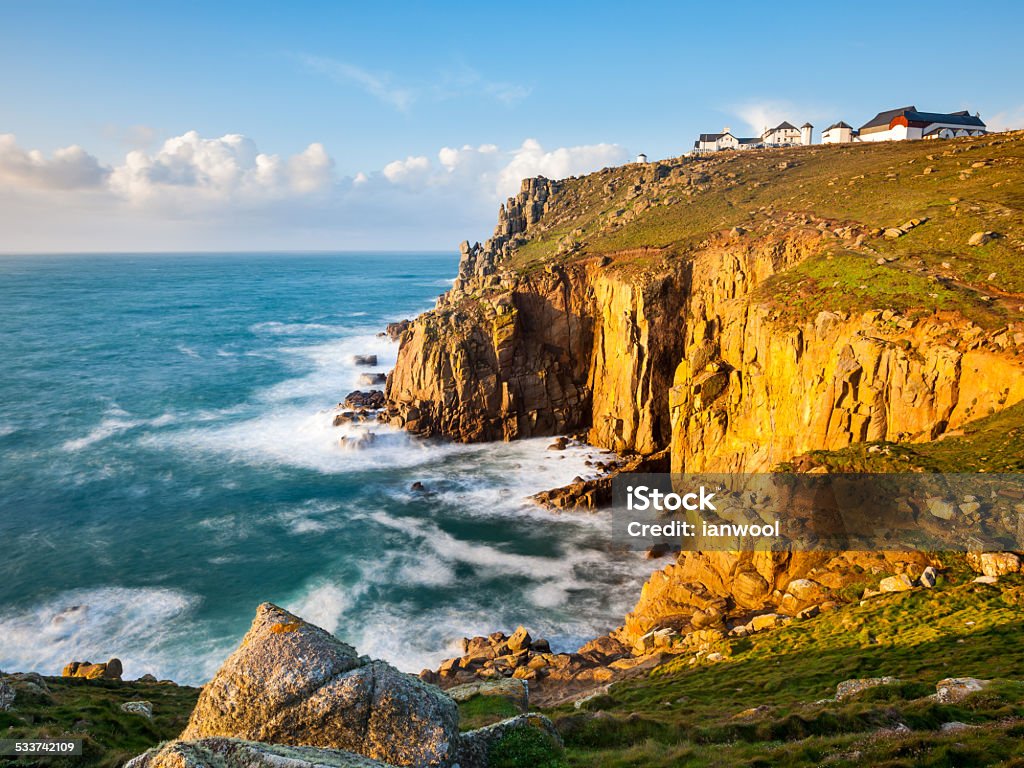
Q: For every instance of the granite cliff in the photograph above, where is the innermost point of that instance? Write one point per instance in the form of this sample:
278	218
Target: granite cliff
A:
739	311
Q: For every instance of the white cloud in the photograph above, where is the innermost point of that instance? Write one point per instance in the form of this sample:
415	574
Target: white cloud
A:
408	171
230	169
69	168
532	160
759	115
208	193
1007	120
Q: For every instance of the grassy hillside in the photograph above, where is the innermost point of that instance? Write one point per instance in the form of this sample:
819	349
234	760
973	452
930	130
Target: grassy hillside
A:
639	215
91	710
769	702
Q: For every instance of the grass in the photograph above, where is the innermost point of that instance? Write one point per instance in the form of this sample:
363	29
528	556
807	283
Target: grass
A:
687	715
91	710
485	710
854	282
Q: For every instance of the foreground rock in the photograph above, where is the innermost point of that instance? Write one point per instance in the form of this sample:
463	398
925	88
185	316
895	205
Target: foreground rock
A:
292	683
7	696
235	753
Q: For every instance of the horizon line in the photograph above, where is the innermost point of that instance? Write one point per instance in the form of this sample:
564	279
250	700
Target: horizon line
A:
200	252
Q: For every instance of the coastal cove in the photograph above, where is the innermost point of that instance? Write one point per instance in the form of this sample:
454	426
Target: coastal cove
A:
169	462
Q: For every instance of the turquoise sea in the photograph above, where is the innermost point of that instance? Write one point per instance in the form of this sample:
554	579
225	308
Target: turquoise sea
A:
168	462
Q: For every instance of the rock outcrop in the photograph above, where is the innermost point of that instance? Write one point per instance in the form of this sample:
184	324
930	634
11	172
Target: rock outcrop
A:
111	670
291	683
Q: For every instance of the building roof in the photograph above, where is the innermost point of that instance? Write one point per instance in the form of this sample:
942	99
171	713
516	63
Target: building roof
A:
783	125
840	124
749	141
806	125
884	118
963	117
710	137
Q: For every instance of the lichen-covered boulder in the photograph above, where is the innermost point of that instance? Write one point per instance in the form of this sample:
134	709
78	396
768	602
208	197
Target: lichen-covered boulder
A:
292	683
235	753
526	741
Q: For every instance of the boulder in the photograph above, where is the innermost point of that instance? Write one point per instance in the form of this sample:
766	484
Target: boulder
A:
369	379
805	590
765	621
899	583
372	399
940	508
142	708
980	238
7	696
112	670
999	563
236	753
365	360
928	577
955	689
849	688
477	748
520	639
292	683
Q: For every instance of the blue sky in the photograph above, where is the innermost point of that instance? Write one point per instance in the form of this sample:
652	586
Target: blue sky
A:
370	85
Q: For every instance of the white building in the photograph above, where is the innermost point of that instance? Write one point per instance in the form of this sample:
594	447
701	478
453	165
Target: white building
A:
641	158
907	123
806	134
783	135
715	142
838	133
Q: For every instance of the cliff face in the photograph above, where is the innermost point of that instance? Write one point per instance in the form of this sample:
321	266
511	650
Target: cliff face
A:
755	387
511	354
688	340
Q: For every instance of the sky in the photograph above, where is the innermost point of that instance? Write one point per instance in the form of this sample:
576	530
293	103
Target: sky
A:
164	126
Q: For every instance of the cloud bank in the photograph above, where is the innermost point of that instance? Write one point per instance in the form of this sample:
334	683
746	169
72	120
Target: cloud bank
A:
193	192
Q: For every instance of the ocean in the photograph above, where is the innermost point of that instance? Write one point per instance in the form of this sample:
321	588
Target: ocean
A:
168	461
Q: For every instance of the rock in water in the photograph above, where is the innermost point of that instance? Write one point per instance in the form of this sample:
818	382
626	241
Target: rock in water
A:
368	360
292	683
235	753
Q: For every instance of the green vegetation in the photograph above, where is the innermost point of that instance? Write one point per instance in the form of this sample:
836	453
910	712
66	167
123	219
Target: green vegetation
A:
526	748
856	283
91	710
770	702
484	710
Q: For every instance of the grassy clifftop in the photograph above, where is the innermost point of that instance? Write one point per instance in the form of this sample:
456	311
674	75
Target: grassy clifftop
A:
640	215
